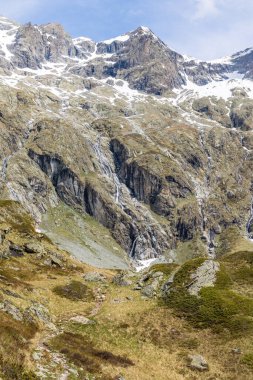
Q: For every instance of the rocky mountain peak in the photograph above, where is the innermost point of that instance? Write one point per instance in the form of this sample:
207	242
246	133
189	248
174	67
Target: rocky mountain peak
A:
7	24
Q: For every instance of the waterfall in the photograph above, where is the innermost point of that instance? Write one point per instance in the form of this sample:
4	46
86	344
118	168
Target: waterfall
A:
4	167
107	170
133	247
250	233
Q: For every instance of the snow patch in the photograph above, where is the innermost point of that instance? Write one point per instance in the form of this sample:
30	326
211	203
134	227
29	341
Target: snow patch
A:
242	53
220	89
122	38
7	37
143	264
79	40
221	61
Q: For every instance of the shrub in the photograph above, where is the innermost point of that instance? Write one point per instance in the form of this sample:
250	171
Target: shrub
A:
75	291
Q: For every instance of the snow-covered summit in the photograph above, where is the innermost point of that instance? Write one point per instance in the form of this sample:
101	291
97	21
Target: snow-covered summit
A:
122	38
6	23
79	40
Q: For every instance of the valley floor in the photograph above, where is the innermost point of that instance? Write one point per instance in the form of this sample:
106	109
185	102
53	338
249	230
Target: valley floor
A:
98	329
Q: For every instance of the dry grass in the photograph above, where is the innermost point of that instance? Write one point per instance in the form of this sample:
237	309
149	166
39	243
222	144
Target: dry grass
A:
15	337
132	331
80	350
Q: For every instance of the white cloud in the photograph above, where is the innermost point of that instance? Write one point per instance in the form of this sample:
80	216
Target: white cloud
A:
205	8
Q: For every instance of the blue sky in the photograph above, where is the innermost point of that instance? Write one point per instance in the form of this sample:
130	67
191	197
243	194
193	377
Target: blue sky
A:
202	28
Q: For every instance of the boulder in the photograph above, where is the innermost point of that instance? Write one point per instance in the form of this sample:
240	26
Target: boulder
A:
82	320
157	274
94	277
198	362
34	247
121	280
37	312
11	309
148	291
56	261
16	250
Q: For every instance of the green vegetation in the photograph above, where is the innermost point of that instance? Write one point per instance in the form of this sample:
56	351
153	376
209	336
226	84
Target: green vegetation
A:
217	307
75	291
182	277
247	359
166	269
12	213
239	265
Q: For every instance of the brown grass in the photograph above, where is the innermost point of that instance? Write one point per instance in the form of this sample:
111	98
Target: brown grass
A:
15	337
81	351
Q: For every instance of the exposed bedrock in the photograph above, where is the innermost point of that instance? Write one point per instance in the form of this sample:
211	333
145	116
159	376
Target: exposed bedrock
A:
160	192
131	229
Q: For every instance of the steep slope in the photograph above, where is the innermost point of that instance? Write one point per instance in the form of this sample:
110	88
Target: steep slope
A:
116	154
63	319
168	175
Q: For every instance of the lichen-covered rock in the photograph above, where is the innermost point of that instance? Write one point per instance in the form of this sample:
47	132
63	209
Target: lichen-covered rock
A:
94	277
82	320
11	309
34	247
198	362
204	276
37	312
151	290
122	279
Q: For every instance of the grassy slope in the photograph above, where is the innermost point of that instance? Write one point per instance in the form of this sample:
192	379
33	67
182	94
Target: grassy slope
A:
132	336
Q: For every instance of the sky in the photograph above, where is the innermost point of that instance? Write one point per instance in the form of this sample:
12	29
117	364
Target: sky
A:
205	29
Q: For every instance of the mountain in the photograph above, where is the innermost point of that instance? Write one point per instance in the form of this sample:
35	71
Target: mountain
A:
129	132
122	154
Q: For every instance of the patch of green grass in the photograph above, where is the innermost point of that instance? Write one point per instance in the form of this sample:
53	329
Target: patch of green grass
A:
182	277
239	265
75	291
223	280
218	309
166	269
246	256
247	359
116	335
243	275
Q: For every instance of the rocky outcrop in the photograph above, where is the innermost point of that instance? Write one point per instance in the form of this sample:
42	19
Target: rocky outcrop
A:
34	45
161	174
153	68
127	226
204	276
152	188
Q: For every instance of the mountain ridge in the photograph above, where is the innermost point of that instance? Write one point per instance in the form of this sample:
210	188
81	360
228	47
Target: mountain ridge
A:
112	57
115	100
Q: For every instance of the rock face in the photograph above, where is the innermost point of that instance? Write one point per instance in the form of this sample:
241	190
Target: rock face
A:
84	125
204	276
11	309
34	45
